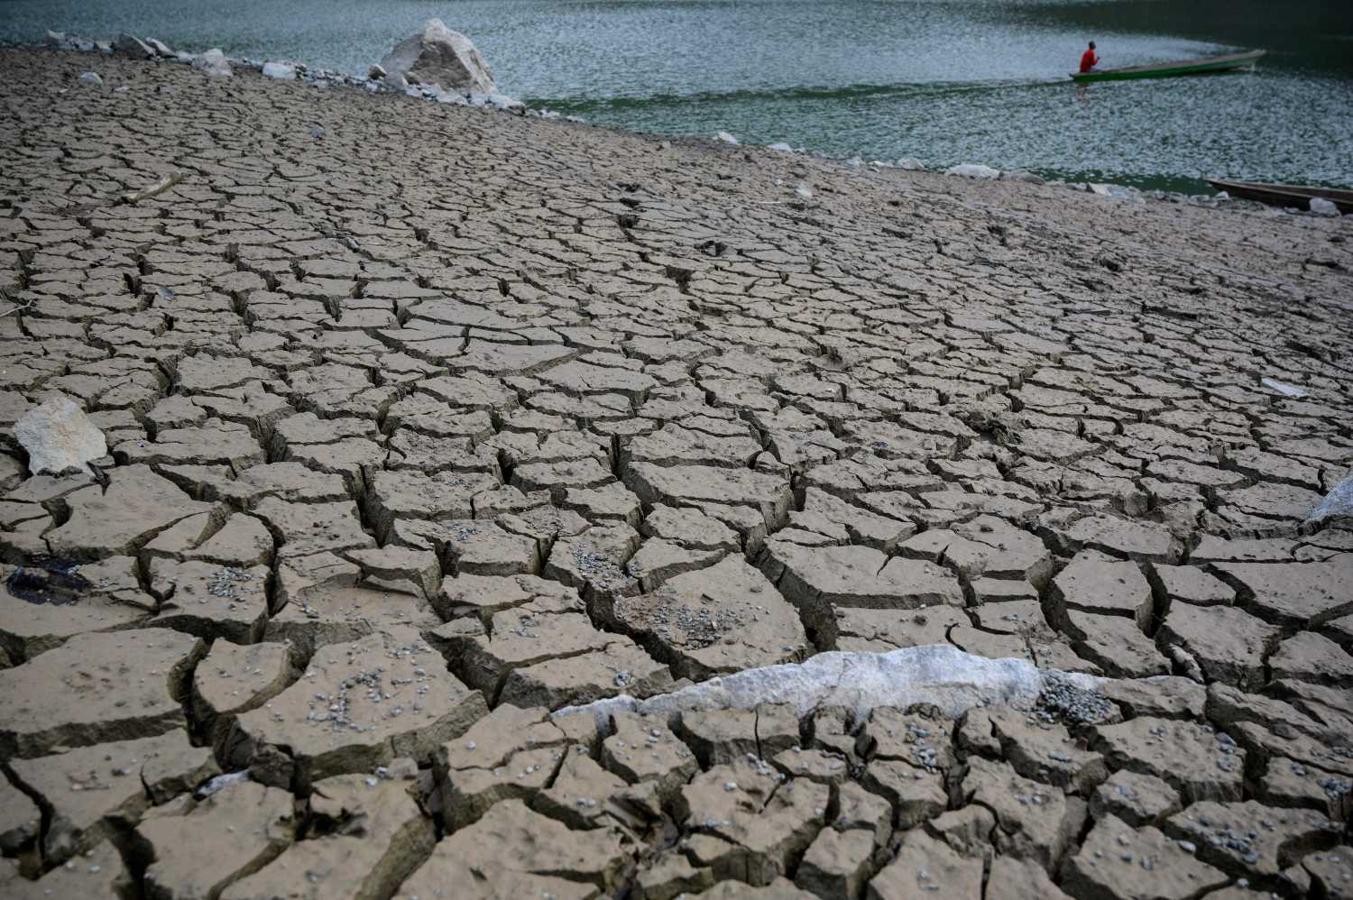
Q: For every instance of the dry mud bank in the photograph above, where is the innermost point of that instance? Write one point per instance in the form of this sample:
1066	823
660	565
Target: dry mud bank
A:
426	421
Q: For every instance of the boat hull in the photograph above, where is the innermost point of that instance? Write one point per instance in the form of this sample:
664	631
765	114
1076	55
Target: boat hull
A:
1228	63
1298	195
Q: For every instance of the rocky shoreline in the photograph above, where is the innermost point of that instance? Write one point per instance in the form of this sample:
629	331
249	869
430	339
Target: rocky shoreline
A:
473	86
409	499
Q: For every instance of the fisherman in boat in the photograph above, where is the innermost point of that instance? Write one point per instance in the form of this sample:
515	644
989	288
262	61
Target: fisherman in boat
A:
1089	60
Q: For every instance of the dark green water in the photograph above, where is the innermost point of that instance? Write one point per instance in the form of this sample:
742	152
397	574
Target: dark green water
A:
945	82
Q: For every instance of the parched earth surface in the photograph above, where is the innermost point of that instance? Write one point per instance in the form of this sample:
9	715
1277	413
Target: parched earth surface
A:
425	422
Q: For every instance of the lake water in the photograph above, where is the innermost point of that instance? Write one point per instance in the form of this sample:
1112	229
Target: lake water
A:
945	82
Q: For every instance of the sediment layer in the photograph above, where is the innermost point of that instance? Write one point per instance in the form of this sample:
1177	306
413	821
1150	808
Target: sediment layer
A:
425	421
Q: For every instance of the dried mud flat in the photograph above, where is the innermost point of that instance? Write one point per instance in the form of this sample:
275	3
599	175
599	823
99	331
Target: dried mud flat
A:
425	422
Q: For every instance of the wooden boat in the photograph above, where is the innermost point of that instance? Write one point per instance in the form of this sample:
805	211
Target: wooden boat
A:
1204	66
1298	195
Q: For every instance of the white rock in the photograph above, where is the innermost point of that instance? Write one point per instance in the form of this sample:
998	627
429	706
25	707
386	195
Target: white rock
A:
910	164
375	73
725	137
780	147
1322	207
279	70
160	48
219	783
1338	503
91	78
59	437
131	46
214	63
804	191
973	170
442	57
1287	390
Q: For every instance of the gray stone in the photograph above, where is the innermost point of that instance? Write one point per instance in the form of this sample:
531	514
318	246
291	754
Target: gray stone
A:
441	57
59	437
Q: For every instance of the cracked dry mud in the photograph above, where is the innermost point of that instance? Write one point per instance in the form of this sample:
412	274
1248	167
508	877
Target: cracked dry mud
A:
440	421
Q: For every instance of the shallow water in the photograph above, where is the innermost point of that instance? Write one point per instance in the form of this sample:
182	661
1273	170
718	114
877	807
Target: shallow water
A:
944	82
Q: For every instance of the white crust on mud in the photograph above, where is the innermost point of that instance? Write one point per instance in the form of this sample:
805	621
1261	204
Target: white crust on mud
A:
937	674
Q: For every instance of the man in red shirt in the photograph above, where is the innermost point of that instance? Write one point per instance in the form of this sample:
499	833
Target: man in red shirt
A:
1088	59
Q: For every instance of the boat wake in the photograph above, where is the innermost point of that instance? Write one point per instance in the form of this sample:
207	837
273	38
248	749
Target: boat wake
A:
845	93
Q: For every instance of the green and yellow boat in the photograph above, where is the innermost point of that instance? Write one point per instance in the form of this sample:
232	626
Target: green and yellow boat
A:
1204	66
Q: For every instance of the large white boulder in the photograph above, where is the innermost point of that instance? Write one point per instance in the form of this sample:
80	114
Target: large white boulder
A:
59	437
442	57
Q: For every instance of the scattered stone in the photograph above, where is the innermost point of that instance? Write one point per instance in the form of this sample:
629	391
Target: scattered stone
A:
1118	861
282	71
973	170
358	705
57	435
132	47
1202	764
214	63
1249	839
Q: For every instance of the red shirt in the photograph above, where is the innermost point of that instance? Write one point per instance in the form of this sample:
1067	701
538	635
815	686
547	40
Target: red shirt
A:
1088	60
